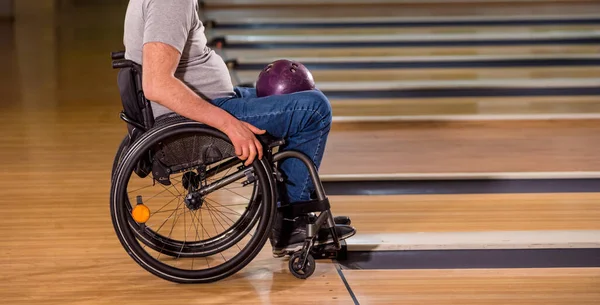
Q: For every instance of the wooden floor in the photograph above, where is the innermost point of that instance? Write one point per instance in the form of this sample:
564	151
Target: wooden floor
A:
470	213
413	51
454	147
58	113
405	10
476	286
405	30
408	75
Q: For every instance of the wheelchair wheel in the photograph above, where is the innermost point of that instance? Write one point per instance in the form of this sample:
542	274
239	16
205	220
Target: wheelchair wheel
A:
209	215
120	154
162	243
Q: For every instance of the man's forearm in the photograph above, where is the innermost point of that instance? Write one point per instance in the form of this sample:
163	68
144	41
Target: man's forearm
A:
175	95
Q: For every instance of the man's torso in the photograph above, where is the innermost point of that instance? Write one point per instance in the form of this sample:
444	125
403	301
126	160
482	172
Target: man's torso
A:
200	67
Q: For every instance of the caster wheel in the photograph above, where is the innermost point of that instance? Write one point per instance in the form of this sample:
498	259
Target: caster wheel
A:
302	273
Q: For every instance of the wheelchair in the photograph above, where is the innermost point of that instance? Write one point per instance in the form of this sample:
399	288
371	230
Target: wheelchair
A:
186	209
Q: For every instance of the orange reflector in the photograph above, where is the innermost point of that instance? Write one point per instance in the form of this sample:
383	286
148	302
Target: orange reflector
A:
140	213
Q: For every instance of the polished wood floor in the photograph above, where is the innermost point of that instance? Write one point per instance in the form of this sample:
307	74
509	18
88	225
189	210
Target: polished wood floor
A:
447	147
466	8
476	286
58	114
470	213
408	30
477	108
413	51
408	75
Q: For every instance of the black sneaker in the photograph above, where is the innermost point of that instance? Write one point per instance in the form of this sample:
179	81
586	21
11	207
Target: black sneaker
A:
289	234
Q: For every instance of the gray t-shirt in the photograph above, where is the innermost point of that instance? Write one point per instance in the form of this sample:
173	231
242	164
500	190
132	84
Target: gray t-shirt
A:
176	23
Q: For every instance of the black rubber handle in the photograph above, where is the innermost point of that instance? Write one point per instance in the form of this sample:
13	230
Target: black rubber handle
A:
120	64
117	55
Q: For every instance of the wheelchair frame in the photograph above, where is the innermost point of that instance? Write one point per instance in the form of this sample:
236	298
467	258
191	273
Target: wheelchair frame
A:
301	263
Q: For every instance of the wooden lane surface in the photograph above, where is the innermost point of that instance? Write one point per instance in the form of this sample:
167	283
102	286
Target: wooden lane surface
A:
476	286
362	2
483	108
73	138
470	212
68	253
405	10
411	51
405	30
65	250
474	73
451	147
59	246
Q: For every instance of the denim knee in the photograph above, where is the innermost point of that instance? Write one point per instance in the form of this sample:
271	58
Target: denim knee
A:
318	102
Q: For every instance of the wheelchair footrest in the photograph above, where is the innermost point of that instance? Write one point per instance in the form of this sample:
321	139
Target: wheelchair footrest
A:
303	208
329	252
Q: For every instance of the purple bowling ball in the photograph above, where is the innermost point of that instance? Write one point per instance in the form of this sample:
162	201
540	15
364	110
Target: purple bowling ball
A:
283	77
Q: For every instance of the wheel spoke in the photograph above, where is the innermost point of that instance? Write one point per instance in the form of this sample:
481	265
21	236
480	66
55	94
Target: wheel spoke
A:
232	222
223	214
234	211
159	210
164	222
209	213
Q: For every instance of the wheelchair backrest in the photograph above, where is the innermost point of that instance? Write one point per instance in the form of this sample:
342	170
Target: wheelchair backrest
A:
137	112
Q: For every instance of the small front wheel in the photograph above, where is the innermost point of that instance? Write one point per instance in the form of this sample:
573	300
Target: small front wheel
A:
296	268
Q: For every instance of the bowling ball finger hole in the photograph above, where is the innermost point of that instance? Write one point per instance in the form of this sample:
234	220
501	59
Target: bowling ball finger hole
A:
293	70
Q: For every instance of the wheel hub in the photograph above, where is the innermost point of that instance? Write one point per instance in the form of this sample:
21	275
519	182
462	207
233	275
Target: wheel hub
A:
194	201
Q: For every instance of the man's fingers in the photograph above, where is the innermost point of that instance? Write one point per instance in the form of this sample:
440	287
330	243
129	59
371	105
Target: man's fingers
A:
238	149
251	154
259	149
245	152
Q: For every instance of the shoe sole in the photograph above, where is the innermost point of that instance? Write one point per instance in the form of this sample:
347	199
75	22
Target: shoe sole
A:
290	249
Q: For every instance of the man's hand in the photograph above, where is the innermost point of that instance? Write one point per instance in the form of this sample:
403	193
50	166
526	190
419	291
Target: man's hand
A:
241	134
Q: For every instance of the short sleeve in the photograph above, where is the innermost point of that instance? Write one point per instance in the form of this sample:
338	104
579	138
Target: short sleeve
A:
168	21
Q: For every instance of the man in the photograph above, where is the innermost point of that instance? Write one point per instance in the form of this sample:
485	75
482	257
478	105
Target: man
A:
182	75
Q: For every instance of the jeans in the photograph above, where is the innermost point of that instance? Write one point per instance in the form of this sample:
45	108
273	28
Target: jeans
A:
303	119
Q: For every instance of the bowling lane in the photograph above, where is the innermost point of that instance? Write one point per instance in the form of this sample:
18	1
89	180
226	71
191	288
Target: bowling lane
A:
405	40
410	51
471	221
352	148
476	286
470	213
403	30
467	108
473	73
219	11
462	147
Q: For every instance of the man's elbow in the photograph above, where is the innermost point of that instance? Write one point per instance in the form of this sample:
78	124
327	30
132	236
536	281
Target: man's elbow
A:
152	90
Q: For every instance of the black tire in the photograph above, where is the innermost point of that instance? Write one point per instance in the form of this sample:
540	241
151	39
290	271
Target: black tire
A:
121	150
134	237
309	267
